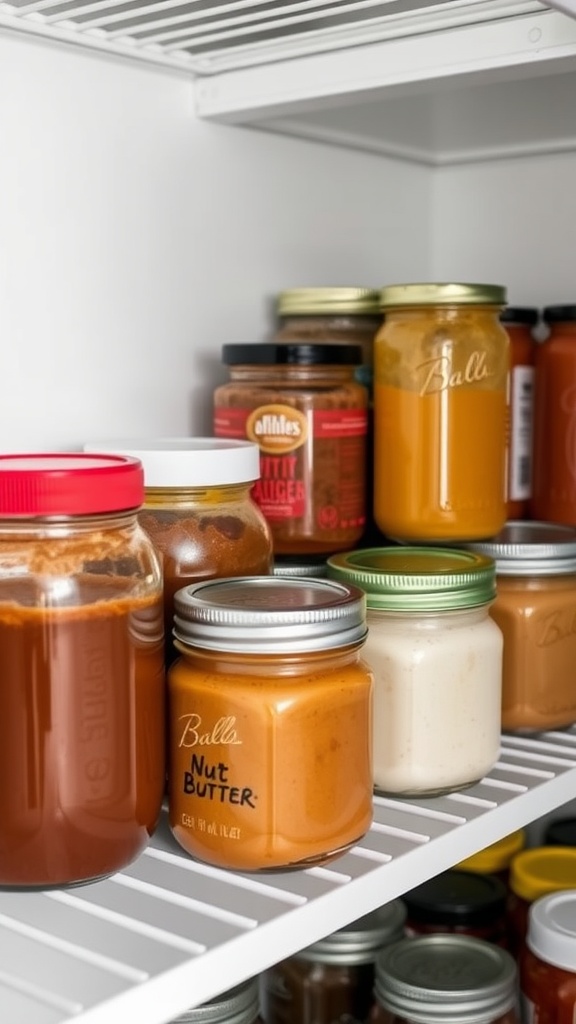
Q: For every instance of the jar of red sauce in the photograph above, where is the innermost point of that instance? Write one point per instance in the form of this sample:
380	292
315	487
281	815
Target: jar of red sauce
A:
333	979
270	714
535	873
453	979
519	323
461	902
554	469
548	963
82	714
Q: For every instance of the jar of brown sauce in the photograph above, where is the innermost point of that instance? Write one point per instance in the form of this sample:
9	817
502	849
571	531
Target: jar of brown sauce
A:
82	713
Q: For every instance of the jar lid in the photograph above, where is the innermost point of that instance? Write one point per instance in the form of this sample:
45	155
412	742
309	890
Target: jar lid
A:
68	484
188	461
519	315
269	615
558	314
434	978
525	548
239	1005
434	294
542	869
293	566
551	931
358	942
417	578
359	301
560	832
291	353
497	856
457	897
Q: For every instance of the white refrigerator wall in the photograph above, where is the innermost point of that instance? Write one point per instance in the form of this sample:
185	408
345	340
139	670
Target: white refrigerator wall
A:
135	240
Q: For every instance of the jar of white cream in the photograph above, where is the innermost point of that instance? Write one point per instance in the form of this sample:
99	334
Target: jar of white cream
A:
436	655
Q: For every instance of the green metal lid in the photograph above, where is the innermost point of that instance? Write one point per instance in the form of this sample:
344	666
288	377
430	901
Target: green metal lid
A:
449	294
319	301
410	579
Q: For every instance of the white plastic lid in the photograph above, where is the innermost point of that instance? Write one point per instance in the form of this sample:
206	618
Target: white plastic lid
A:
552	929
188	461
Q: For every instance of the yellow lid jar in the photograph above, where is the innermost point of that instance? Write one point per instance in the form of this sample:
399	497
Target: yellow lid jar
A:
441	365
270	705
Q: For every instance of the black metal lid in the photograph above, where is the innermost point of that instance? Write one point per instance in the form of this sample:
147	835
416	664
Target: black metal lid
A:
558	314
561	832
291	353
519	315
457	897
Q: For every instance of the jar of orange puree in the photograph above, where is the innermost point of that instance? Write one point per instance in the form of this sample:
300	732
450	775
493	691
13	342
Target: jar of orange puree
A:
270	704
440	412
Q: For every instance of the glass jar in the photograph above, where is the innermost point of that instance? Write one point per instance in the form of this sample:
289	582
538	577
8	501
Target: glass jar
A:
333	315
198	511
460	902
440	413
519	323
270	722
548	963
554	468
437	660
300	403
332	980
534	608
238	1005
534	873
82	713
445	979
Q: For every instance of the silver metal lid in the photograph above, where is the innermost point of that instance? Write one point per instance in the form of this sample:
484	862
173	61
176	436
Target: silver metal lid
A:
300	566
526	548
433	978
269	614
358	942
238	1005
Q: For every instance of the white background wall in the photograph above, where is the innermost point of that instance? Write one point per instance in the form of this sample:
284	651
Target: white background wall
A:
135	240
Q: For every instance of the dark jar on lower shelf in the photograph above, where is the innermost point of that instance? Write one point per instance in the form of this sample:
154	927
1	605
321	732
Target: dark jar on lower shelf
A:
461	902
332	980
445	979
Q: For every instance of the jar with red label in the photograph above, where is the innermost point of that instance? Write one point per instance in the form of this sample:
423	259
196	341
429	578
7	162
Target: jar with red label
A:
548	963
519	323
302	405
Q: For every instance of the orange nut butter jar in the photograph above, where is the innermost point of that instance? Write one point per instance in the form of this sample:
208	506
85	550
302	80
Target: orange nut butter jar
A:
519	323
270	718
299	402
82	700
440	412
554	470
535	608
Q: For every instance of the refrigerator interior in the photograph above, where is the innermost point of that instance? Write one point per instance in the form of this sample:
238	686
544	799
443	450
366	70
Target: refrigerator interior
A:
137	237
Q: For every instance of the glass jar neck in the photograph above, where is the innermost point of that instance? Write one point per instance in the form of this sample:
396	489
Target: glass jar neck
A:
63	526
293	664
293	374
161	497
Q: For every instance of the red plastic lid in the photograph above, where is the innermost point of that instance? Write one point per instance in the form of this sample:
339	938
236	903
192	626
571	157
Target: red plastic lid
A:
68	484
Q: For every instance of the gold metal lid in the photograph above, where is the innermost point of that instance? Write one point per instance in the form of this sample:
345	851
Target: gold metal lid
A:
449	294
359	301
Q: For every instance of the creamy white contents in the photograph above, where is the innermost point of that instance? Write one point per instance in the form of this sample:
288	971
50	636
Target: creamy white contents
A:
437	698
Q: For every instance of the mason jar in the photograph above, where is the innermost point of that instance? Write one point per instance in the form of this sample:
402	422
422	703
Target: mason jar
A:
440	413
437	660
82	701
270	714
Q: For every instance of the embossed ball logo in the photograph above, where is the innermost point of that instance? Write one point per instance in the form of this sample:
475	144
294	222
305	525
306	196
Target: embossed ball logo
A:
277	428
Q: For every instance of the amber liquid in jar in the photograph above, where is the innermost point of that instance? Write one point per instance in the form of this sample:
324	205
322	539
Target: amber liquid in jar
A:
440	414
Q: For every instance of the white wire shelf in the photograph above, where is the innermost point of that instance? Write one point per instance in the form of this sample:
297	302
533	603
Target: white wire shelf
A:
169	933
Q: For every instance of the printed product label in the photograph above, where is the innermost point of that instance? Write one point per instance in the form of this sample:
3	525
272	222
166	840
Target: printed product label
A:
312	464
521	407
